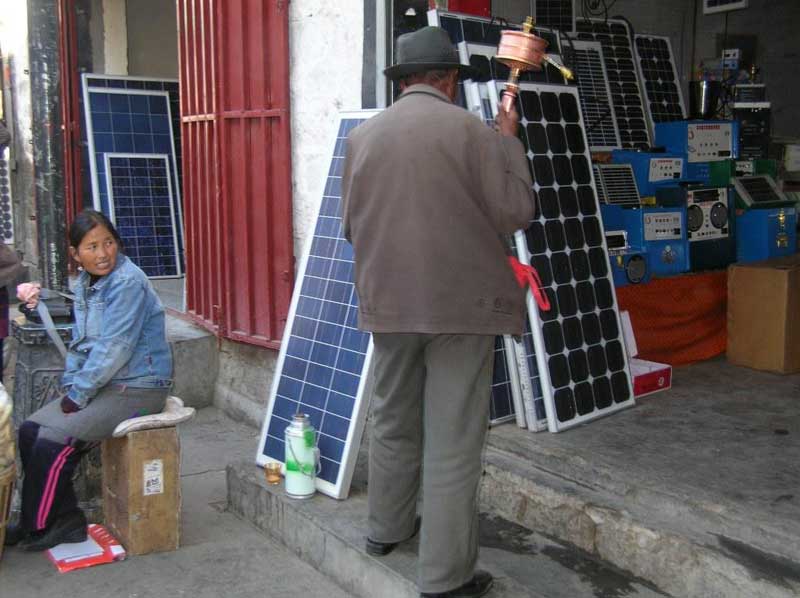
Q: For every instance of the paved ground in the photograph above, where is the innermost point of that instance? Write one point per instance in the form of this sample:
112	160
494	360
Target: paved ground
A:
220	554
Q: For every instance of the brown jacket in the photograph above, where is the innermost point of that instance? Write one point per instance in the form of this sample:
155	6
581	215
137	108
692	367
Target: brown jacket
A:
428	191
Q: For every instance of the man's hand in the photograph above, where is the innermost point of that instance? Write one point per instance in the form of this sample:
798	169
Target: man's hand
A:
68	405
29	293
508	122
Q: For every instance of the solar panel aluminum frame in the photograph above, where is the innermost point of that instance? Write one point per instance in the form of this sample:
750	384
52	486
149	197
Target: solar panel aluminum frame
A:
648	129
112	210
643	79
781	201
90	130
514	384
341	488
523	255
605	190
587	46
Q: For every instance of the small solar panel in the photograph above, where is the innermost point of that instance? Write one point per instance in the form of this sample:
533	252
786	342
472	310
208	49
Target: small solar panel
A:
142	209
482	36
578	342
505	384
322	364
6	203
623	78
616	185
662	89
595	94
131	115
759	191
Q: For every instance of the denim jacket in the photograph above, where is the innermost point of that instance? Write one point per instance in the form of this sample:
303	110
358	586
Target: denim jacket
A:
119	335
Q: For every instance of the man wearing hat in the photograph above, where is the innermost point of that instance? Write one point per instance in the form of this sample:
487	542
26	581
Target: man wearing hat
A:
429	191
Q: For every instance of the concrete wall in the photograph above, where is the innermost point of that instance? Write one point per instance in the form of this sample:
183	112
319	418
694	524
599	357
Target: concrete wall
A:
776	23
152	38
115	38
14	45
326	41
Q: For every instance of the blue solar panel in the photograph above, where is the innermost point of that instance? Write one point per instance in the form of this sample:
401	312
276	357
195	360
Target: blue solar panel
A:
128	115
324	358
501	404
140	197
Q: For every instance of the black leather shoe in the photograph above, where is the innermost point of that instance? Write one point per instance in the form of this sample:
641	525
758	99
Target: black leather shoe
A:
479	585
383	548
68	528
14	534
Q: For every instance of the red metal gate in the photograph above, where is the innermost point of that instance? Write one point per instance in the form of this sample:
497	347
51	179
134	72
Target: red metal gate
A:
234	72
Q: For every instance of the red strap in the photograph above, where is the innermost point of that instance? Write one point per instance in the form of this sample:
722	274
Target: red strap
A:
527	276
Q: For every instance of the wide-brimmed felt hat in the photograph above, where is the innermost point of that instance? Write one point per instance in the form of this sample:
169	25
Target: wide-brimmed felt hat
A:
426	49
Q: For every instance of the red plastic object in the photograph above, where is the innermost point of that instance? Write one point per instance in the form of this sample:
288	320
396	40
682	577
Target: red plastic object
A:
481	8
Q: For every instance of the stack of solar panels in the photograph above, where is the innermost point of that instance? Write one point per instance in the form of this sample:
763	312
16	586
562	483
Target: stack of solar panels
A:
626	98
133	139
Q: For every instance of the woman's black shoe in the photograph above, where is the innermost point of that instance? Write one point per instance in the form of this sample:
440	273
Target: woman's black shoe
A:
478	586
14	534
68	528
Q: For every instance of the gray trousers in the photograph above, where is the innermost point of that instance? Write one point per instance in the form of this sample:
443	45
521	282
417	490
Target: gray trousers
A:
430	415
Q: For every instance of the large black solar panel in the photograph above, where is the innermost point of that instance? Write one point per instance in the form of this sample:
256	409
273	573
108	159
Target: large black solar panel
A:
623	77
586	58
322	364
578	342
6	203
482	36
662	88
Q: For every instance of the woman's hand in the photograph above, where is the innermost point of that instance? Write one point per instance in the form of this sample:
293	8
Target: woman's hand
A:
68	405
29	293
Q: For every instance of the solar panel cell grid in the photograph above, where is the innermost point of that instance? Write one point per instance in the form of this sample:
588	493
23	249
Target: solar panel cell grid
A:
614	38
141	204
323	361
656	62
581	350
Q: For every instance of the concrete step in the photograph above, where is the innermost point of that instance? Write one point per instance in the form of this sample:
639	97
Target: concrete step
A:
329	535
196	361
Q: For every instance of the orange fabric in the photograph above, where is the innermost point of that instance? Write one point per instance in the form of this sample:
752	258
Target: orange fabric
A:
681	319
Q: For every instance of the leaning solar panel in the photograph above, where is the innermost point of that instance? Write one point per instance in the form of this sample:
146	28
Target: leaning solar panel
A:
322	364
484	35
505	383
558	14
578	342
601	122
623	77
141	207
662	90
6	203
535	411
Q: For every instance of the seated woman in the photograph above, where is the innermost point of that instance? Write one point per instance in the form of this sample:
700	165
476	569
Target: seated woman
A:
119	366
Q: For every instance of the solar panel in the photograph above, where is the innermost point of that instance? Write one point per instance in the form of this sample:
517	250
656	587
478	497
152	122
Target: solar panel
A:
759	191
505	383
616	185
590	71
477	32
662	90
714	6
141	207
322	364
578	342
131	115
558	14
623	78
535	411
6	203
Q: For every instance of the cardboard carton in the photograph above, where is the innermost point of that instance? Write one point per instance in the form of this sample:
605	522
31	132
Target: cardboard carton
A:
764	315
648	376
